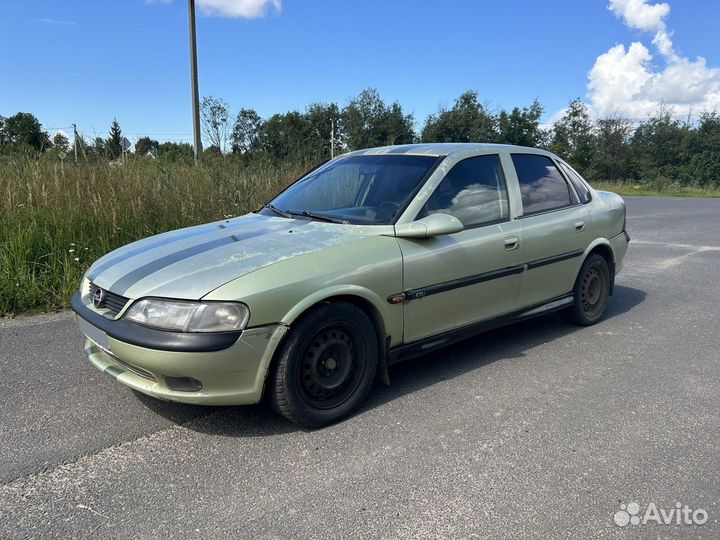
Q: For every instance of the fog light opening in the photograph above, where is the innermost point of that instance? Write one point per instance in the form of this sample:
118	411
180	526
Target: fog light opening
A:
183	384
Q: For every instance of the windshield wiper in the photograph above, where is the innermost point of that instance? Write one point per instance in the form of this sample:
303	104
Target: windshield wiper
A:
319	217
271	206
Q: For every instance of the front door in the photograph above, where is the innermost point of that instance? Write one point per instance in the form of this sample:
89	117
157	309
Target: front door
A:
455	280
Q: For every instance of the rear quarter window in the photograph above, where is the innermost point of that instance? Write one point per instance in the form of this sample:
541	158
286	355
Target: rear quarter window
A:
542	186
580	186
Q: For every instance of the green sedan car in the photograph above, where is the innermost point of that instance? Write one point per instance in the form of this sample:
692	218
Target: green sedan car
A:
372	258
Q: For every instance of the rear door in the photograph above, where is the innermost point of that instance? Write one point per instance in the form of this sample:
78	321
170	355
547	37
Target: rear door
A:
454	280
555	228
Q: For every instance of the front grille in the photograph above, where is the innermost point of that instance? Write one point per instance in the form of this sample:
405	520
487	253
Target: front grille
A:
113	303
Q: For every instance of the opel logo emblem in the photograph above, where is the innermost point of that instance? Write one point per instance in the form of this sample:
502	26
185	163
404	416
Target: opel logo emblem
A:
98	297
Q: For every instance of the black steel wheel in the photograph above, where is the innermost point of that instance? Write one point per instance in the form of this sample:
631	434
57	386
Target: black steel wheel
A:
325	366
591	292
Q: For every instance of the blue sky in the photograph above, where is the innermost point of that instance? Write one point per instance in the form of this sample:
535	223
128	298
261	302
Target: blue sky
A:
90	61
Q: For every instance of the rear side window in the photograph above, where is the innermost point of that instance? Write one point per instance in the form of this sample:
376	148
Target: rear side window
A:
473	191
542	186
580	186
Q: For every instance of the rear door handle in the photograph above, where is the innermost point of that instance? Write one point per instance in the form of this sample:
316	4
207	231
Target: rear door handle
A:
511	242
579	226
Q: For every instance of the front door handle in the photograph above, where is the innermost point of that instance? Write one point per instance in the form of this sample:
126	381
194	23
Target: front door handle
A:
512	242
579	226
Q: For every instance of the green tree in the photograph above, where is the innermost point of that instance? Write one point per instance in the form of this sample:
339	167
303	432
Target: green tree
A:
398	127
612	158
367	121
284	136
659	147
60	142
212	152
320	117
466	121
176	152
704	165
573	136
98	147
245	131
215	116
113	144
24	130
521	126
146	145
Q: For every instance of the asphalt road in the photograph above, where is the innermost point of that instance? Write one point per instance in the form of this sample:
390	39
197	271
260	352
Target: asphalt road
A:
535	430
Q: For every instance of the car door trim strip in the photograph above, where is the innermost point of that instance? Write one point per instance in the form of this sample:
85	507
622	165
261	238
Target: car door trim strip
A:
422	292
554	259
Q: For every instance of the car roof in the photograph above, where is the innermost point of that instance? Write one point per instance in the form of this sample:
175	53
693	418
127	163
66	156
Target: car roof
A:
446	149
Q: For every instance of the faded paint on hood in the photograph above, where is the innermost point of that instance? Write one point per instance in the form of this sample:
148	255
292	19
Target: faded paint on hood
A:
189	263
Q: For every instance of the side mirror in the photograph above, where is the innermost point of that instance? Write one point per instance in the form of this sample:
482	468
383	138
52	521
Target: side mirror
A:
427	227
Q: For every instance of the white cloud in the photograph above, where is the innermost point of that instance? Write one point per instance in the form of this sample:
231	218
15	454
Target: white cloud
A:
625	81
641	15
246	9
646	17
243	9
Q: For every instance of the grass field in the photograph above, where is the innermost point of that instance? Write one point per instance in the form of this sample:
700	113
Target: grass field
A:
55	221
669	190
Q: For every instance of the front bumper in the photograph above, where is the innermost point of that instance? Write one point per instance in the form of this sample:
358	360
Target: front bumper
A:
234	375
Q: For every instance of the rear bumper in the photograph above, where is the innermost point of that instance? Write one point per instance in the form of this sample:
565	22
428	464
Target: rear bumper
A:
234	375
619	244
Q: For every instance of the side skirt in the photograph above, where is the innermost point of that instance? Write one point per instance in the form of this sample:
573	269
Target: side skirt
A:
417	348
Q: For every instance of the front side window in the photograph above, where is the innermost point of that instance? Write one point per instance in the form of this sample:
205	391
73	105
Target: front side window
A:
542	186
473	191
370	189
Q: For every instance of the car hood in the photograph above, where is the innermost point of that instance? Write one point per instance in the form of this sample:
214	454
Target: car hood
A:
189	263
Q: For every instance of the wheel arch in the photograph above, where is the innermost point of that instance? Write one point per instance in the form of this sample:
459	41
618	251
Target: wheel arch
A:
602	247
362	297
366	300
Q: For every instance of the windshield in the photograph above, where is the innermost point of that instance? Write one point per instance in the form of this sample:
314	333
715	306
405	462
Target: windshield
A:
355	189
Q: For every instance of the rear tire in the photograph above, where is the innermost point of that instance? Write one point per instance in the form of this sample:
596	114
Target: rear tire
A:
325	366
590	294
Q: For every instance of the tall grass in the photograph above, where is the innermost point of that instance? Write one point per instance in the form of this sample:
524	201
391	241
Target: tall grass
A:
55	221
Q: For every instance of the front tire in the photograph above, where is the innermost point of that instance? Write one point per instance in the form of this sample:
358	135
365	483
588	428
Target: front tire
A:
325	366
591	292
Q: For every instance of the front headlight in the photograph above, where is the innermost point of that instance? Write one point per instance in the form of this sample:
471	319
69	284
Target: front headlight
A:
181	316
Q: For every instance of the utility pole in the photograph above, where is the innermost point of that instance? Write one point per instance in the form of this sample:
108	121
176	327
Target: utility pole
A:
75	140
332	138
194	76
